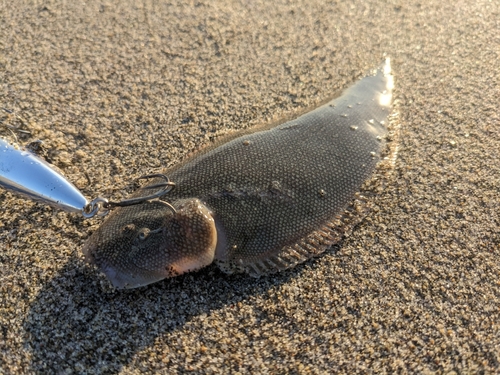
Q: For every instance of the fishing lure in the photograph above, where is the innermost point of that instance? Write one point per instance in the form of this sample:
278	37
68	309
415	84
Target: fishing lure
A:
260	203
23	172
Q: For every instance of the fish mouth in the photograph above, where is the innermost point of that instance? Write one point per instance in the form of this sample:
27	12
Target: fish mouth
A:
118	278
127	280
112	274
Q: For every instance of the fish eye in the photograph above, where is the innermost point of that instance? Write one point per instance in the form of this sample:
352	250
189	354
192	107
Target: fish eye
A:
143	234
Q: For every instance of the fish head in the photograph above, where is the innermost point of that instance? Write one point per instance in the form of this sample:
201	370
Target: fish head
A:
139	245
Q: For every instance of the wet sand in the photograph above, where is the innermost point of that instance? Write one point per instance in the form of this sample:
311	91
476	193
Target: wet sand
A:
120	90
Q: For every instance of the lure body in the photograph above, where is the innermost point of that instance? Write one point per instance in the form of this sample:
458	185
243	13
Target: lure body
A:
26	174
261	203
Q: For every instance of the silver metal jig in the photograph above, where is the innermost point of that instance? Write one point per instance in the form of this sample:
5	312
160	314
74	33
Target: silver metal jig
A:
24	173
28	175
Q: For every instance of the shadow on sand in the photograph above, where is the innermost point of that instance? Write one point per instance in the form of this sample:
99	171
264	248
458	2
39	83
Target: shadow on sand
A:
78	322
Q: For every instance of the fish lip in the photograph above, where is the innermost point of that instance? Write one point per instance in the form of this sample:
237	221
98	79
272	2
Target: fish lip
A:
124	280
112	275
118	278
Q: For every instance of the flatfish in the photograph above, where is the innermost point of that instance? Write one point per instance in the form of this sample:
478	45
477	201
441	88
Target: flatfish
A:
260	203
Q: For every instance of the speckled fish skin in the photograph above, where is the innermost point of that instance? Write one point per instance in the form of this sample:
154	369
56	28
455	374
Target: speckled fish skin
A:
264	201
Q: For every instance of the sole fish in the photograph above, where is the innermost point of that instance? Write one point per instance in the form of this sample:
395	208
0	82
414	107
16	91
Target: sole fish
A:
260	203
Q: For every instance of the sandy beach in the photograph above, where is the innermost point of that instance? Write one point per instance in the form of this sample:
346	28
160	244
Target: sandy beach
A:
119	89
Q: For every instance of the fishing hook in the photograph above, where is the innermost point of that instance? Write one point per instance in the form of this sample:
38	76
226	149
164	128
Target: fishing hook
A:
104	205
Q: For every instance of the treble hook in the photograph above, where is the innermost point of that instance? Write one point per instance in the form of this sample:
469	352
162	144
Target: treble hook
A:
105	205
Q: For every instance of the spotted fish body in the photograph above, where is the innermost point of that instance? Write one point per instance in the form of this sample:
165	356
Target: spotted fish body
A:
260	203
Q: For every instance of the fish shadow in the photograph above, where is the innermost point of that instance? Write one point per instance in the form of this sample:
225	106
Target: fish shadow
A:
79	322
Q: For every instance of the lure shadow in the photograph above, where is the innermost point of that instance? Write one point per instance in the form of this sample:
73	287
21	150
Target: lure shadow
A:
77	321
